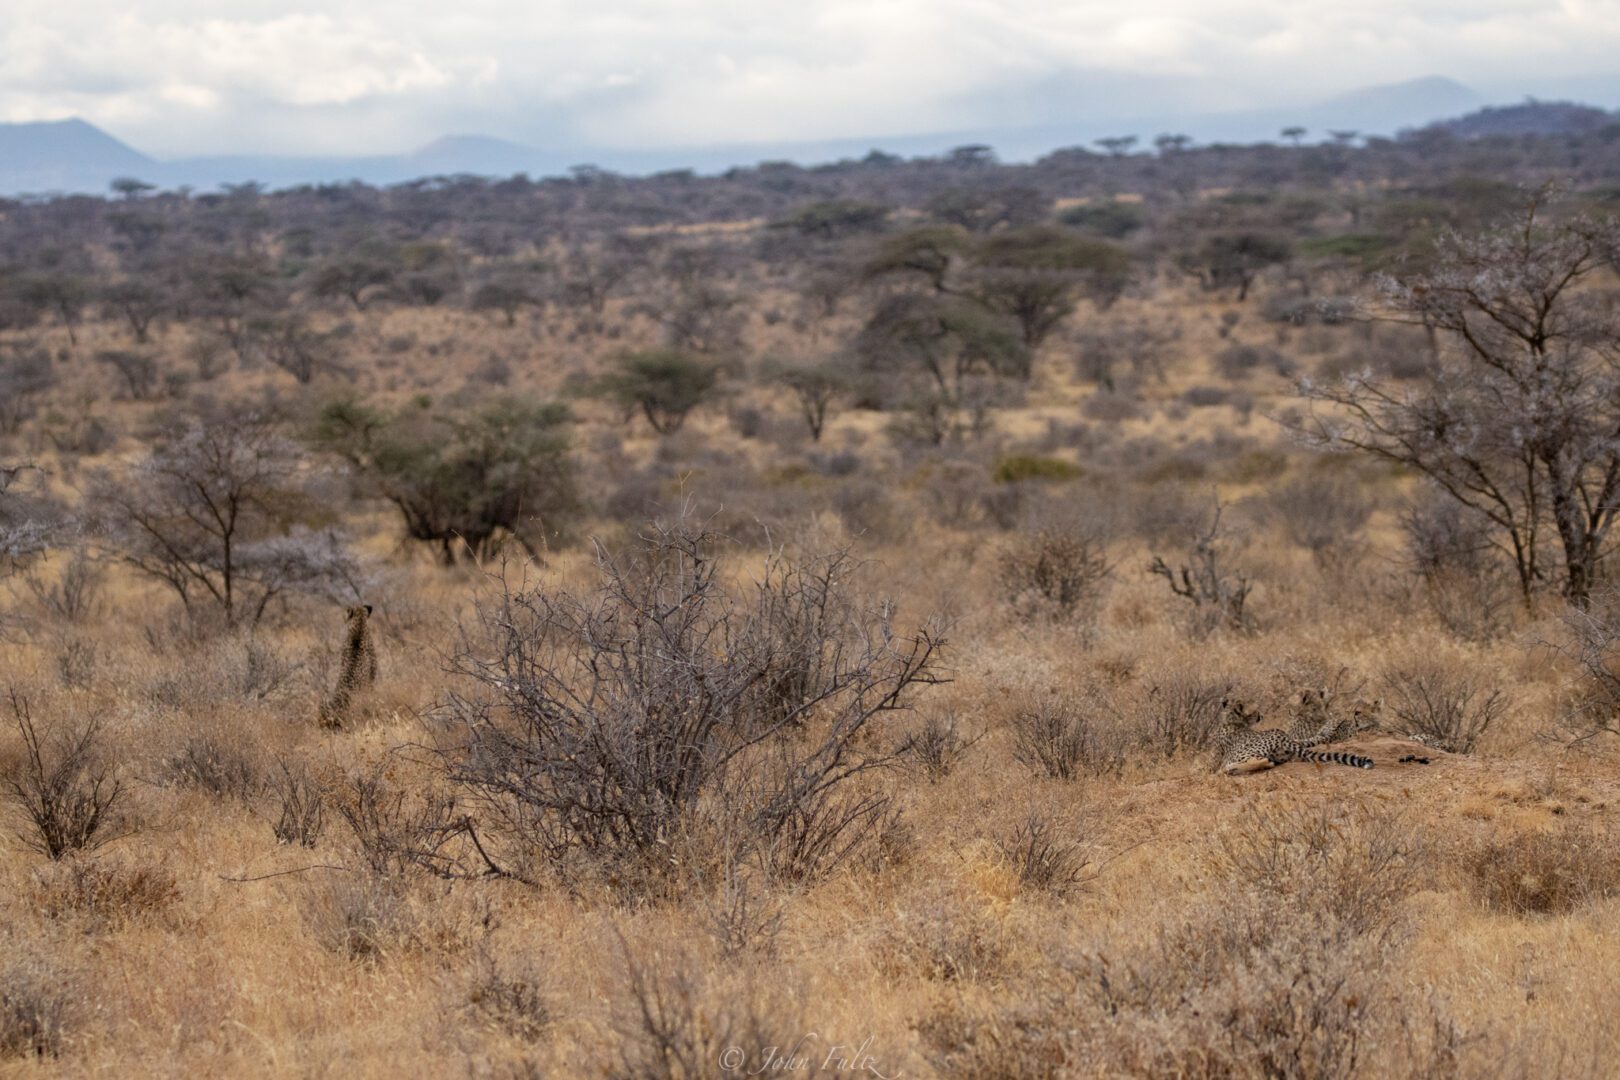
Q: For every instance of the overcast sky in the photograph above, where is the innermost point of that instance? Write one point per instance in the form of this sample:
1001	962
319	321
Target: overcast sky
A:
347	76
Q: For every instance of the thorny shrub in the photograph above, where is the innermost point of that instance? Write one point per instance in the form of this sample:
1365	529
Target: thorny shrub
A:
611	724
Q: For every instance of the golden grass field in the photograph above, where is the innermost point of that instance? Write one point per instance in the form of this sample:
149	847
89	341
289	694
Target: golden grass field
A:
1450	919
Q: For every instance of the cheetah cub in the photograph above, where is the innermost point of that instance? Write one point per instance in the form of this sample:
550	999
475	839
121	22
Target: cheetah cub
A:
1245	750
359	671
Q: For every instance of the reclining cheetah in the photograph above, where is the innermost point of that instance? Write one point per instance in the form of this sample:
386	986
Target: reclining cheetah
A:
1244	749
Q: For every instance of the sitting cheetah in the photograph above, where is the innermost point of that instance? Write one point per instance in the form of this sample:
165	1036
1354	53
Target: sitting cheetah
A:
1244	749
359	668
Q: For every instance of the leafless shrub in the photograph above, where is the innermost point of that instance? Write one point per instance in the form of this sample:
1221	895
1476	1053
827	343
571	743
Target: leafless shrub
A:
511	997
1460	576
1545	873
76	662
75	595
37	1005
1219	597
743	917
1448	707
1244	988
302	806
1350	862
944	938
1594	647
681	1019
1011	1041
106	893
1182	713
1055	574
1059	737
361	916
67	793
212	761
598	724
938	746
1046	857
398	831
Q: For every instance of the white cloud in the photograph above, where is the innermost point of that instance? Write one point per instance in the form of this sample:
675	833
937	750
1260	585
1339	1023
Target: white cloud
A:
358	75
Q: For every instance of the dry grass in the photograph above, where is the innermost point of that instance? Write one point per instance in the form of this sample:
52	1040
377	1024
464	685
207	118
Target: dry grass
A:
1048	880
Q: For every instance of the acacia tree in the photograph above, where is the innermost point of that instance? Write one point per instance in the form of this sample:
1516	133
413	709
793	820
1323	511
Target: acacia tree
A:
461	476
664	385
1520	421
212	512
1038	275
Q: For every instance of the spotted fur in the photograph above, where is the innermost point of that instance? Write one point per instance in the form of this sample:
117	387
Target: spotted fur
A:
359	670
1243	748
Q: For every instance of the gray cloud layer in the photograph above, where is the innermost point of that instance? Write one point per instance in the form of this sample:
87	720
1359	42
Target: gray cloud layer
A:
354	76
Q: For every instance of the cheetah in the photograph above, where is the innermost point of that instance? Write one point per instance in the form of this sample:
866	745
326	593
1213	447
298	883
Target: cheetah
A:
1364	717
359	668
1244	749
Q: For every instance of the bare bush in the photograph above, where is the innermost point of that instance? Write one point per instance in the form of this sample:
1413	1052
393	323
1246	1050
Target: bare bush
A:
1351	862
680	1019
1326	516
75	595
1182	714
511	997
1545	873
224	766
361	916
1461	576
743	917
107	894
1219	596
64	789
301	813
600	723
938	746
37	1005
398	831
1448	708
1045	856
1059	737
1058	574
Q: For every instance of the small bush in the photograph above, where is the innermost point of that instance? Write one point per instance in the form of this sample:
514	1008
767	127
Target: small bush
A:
1545	873
1448	708
360	915
510	997
1057	738
215	763
1206	397
1182	714
301	806
108	894
937	746
36	1005
1045	857
1021	467
1057	574
64	789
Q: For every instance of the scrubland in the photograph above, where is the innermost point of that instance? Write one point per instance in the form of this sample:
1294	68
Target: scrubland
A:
734	750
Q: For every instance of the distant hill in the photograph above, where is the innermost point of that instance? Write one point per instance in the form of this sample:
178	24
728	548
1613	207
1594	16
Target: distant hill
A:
1403	104
65	155
1529	118
74	156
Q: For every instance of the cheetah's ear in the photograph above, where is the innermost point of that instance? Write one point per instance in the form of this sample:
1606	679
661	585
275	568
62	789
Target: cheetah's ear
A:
368	608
